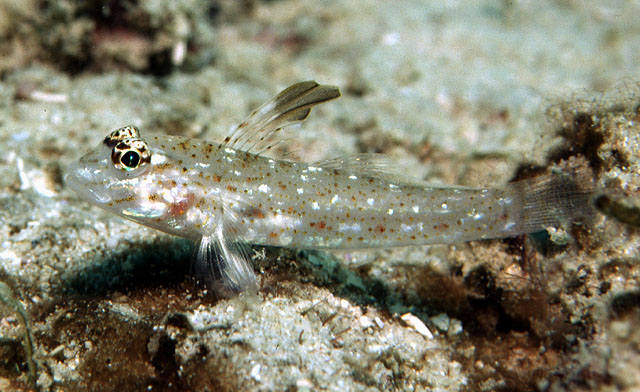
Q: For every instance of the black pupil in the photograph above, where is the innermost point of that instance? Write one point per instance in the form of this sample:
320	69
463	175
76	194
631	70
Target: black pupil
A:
130	159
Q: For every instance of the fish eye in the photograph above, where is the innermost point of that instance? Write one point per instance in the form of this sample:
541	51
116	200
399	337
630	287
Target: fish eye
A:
130	154
130	159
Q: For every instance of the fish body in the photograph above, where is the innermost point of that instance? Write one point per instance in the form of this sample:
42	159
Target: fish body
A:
226	195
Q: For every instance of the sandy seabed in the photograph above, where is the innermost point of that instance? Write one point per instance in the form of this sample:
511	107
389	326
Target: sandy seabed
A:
468	93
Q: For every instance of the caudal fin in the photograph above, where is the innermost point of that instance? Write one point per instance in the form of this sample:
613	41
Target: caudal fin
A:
556	199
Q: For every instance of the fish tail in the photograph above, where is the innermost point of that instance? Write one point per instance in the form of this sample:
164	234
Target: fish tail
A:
556	199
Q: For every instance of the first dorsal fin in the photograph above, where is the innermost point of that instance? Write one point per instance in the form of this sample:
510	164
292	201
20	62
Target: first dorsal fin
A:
290	106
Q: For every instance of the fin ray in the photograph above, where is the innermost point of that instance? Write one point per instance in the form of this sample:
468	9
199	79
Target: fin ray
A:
223	266
370	165
290	106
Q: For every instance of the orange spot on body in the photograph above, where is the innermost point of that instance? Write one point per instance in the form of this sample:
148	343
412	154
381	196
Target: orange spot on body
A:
182	206
441	226
254	213
163	166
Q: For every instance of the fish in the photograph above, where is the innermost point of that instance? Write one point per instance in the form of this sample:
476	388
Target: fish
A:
230	195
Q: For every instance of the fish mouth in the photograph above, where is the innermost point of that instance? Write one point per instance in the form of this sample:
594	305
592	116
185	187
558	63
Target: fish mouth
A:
88	183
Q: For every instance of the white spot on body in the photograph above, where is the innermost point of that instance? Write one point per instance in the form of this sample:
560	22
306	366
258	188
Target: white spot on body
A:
264	188
167	196
345	227
505	201
157	159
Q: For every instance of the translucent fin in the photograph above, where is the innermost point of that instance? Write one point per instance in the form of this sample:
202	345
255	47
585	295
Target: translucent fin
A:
256	133
370	165
556	199
223	266
365	164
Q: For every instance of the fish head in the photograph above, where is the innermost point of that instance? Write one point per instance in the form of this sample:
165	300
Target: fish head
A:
115	175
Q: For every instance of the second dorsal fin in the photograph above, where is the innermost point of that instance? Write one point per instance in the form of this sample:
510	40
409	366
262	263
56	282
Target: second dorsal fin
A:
371	165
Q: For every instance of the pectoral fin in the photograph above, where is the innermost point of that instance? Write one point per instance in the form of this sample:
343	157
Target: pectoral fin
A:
223	266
